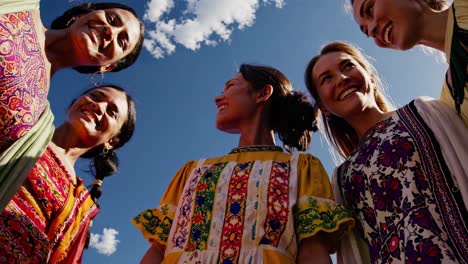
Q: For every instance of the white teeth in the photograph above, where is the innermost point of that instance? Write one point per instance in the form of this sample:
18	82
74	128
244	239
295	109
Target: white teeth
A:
96	36
346	93
222	107
387	34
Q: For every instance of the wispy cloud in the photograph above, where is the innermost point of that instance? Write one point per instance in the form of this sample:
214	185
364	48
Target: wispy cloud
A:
201	22
106	243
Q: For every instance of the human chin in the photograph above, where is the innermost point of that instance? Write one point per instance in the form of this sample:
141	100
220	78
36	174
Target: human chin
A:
227	128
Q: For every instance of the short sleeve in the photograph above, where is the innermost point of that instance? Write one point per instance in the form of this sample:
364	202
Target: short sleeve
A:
155	223
315	212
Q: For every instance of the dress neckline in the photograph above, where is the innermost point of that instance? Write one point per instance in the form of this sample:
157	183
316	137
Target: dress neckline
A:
60	163
256	148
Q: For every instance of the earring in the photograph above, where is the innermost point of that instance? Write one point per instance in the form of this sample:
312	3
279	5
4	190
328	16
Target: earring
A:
97	78
69	22
105	151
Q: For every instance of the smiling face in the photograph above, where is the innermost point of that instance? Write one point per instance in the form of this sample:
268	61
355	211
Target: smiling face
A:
236	105
97	116
344	87
103	37
395	24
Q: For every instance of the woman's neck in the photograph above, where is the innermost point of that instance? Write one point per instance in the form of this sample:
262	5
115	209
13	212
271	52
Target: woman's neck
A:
433	32
366	120
65	146
58	49
256	133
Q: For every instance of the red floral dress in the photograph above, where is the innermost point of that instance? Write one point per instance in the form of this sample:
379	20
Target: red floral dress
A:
47	219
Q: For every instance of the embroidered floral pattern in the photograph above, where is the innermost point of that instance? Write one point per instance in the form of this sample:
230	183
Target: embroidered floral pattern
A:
157	222
179	238
314	214
385	184
38	222
231	238
278	203
22	77
204	198
230	211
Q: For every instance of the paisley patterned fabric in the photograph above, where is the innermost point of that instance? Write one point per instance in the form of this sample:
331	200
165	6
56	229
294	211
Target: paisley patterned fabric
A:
252	206
23	78
48	216
398	186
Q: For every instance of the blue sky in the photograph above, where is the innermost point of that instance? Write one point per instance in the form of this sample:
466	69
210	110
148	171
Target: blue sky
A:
174	92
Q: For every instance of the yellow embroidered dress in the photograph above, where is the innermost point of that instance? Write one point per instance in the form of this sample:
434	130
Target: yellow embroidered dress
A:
253	205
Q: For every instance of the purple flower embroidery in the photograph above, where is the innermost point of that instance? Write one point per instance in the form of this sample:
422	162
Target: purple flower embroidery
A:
394	152
354	187
423	218
425	252
387	195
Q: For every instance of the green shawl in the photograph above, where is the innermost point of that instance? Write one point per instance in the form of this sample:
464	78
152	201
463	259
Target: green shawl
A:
17	161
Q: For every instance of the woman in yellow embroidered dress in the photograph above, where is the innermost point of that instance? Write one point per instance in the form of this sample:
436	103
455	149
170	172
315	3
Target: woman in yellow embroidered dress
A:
258	204
48	218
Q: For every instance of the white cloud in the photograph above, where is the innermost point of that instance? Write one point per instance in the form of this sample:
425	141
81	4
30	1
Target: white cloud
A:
201	22
106	243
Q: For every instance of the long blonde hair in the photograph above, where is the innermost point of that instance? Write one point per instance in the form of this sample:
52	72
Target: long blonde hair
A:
339	134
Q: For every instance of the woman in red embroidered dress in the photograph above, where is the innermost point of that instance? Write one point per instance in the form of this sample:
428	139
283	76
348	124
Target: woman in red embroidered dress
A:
48	218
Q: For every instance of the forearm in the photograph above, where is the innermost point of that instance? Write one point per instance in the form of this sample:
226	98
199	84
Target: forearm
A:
311	250
154	255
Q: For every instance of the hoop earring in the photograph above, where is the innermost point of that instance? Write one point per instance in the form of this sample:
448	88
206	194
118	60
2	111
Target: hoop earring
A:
70	21
97	78
105	151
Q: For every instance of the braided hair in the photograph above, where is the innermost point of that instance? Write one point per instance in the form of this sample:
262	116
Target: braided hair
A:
105	161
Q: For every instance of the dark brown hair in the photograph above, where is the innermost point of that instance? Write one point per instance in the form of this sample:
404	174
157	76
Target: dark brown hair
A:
68	18
291	114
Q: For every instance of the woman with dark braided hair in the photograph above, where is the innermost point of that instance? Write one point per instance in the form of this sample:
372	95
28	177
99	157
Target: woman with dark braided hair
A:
48	218
91	38
259	203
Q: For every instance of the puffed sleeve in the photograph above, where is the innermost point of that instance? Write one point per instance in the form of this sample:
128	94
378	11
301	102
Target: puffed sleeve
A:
316	213
155	223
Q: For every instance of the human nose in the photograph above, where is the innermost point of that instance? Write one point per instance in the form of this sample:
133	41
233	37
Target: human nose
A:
372	30
109	32
99	107
218	98
343	78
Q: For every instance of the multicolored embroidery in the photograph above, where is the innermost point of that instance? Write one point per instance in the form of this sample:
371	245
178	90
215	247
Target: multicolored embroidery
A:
278	203
46	215
157	222
23	77
314	214
180	233
388	182
255	149
231	238
204	198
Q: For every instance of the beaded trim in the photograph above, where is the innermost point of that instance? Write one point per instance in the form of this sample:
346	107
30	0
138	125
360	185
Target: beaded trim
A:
256	148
